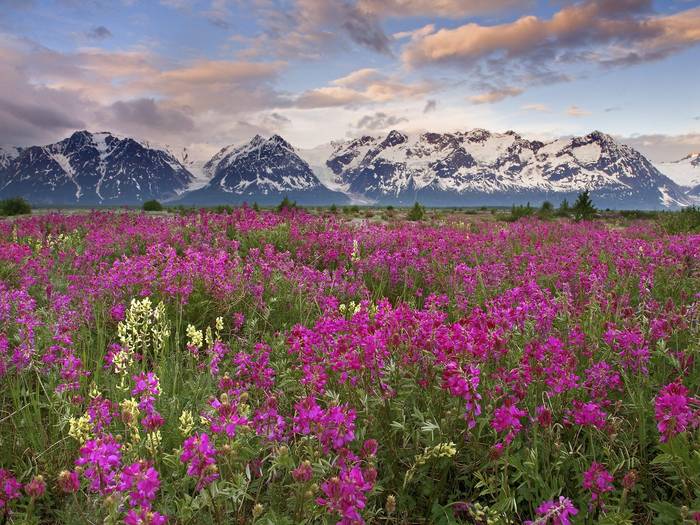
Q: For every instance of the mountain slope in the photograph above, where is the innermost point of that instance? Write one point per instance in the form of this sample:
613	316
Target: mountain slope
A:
263	171
93	168
684	172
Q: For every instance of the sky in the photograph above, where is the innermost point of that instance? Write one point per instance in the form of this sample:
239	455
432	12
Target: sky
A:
204	74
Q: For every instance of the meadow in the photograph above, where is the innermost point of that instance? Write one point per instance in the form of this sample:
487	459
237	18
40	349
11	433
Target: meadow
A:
283	367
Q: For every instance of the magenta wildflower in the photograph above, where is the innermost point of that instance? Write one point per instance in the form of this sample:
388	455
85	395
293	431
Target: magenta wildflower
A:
200	457
225	418
674	414
69	481
100	459
345	495
269	424
144	517
588	414
506	418
140	482
598	481
9	489
146	384
464	384
36	487
303	472
554	512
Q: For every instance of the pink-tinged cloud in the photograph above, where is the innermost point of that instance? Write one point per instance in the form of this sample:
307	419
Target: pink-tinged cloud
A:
575	111
496	95
441	8
600	26
363	86
358	78
542	108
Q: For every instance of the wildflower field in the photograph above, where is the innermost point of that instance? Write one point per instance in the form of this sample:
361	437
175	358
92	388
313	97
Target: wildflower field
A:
282	368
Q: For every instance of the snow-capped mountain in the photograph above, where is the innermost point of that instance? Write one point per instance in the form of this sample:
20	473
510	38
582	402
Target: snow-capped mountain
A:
479	167
93	168
474	167
263	170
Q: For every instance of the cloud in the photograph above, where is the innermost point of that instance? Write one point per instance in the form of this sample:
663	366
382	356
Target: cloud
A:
606	33
575	111
99	33
311	29
439	8
430	106
663	148
379	121
45	94
358	78
496	95
275	121
147	115
364	30
330	96
364	86
218	14
36	115
543	108
612	109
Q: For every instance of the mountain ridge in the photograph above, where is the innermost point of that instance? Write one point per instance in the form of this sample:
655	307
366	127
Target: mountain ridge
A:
473	167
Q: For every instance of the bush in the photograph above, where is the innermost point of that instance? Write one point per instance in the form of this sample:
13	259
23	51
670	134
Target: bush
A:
286	204
416	213
152	205
518	212
15	206
686	220
334	208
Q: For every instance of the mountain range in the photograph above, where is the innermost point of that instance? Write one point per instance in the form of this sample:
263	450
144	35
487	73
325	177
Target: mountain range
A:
470	168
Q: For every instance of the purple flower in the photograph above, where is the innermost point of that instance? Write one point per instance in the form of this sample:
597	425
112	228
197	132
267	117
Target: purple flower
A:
101	459
598	481
200	457
144	517
141	482
507	418
36	487
554	512
674	414
9	488
345	495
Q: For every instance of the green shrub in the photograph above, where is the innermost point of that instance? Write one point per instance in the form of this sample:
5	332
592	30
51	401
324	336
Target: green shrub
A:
518	212
152	205
286	204
686	220
15	206
416	213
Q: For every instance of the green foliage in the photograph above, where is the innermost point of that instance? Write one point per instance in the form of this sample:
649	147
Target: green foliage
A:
686	220
286	204
520	211
152	205
583	208
416	213
334	208
564	209
14	206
